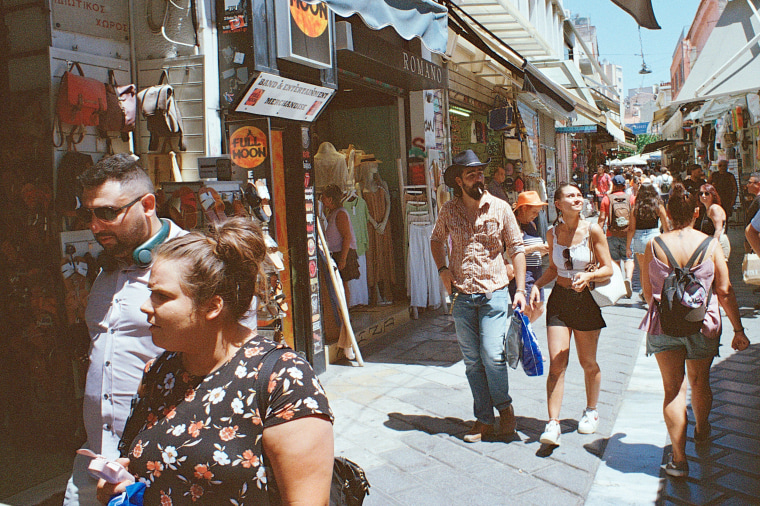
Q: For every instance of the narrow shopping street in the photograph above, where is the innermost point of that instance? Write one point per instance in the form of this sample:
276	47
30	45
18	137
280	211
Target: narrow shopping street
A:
403	415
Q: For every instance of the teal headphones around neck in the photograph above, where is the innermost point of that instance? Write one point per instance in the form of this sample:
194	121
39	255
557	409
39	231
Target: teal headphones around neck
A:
143	254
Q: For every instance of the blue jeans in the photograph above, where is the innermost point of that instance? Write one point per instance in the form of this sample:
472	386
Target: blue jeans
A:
481	324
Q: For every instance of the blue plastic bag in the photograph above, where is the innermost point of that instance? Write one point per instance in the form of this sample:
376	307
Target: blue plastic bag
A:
132	497
532	360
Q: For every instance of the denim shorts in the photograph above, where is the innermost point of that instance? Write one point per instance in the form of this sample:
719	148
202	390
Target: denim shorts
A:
697	346
617	248
641	238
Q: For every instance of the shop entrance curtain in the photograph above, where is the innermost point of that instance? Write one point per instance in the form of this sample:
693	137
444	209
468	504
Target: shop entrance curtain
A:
410	18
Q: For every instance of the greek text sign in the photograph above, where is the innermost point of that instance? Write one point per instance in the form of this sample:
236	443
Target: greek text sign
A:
276	96
99	18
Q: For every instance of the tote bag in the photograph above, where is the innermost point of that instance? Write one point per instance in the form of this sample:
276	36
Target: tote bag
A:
751	269
608	292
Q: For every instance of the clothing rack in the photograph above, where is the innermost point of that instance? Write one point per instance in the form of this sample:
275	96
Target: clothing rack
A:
425	197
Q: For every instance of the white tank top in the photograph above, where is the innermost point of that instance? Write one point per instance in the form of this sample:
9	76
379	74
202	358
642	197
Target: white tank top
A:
580	254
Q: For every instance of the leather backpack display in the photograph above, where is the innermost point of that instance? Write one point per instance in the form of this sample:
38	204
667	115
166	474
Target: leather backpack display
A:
80	99
159	108
121	108
72	165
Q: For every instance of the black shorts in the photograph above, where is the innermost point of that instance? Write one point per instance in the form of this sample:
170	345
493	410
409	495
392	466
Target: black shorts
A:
574	310
351	270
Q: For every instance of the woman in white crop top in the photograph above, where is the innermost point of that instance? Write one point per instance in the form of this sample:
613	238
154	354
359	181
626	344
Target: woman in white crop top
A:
571	310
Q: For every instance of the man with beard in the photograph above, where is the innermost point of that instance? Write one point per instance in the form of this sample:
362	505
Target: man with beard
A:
119	205
725	184
480	227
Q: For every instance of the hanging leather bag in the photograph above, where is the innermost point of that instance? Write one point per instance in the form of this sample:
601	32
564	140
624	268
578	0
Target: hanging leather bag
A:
121	108
159	108
80	99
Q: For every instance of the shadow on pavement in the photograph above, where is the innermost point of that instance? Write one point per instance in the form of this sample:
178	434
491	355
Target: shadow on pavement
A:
625	457
727	468
527	431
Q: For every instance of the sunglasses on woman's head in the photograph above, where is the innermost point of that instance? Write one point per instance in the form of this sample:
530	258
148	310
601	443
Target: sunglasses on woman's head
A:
568	259
105	213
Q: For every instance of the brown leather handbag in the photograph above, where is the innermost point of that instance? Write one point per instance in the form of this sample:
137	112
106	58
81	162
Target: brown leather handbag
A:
121	108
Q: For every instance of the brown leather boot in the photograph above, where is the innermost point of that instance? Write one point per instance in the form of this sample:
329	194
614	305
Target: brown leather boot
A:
478	432
507	421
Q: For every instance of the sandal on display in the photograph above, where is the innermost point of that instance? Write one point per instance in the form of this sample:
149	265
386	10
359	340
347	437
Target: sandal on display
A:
183	208
212	204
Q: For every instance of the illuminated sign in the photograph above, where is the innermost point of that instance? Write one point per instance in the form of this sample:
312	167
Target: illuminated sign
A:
305	33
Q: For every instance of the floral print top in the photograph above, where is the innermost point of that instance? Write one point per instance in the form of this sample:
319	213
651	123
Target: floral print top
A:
198	440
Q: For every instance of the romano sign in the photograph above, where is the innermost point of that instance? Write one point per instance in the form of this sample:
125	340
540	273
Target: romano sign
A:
375	58
420	68
279	97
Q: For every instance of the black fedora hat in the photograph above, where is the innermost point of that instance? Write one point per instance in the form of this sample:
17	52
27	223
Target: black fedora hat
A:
460	161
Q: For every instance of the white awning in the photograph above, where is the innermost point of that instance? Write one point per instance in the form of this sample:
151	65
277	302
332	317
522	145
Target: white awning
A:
673	128
729	64
425	19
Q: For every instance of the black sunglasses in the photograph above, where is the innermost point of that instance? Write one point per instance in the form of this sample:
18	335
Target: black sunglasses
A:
105	213
705	194
568	259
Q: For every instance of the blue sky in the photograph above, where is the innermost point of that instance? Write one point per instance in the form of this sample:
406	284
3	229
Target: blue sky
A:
618	36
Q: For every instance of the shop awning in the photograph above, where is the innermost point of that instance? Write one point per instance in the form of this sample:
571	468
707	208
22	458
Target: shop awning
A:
673	128
410	18
537	82
729	64
660	145
497	53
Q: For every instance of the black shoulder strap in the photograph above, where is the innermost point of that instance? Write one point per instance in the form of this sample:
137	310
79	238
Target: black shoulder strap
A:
262	379
699	252
667	252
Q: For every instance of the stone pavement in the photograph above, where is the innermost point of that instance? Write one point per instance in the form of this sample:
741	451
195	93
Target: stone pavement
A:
403	415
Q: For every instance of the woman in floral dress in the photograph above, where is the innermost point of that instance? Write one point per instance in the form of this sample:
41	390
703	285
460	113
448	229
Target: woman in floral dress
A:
196	435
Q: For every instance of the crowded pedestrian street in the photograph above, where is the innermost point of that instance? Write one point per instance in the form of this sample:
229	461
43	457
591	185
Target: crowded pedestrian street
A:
381	252
403	415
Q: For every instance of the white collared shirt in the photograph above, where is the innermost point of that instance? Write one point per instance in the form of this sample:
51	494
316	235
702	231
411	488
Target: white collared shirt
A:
121	345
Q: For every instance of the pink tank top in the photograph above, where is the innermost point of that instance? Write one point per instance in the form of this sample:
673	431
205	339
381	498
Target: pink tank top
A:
705	272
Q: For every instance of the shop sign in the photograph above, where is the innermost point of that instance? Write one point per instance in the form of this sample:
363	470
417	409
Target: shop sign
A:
639	128
248	147
579	129
434	75
100	18
276	96
305	33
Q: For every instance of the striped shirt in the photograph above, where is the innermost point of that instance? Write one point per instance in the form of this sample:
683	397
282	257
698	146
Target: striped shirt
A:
530	236
476	260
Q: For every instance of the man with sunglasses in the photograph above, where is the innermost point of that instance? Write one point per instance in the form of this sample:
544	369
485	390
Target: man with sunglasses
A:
480	227
119	205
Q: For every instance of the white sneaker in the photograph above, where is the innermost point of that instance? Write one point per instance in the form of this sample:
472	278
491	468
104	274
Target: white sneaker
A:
349	353
589	422
551	434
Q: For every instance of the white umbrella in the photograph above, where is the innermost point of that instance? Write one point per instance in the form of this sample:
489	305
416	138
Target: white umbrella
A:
632	160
